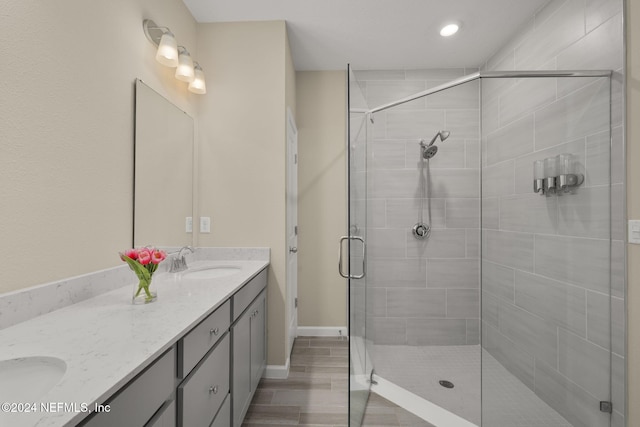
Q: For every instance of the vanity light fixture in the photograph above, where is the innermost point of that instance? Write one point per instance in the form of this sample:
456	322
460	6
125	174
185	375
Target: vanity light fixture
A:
449	29
170	54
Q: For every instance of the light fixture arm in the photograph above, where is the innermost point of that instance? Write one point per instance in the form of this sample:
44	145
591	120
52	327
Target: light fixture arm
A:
154	32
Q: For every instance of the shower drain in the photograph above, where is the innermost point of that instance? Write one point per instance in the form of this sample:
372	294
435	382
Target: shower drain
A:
446	384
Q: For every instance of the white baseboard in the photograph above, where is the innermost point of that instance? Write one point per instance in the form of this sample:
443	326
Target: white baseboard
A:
322	331
277	372
418	406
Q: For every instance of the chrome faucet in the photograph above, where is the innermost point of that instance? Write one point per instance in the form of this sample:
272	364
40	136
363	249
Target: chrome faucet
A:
178	261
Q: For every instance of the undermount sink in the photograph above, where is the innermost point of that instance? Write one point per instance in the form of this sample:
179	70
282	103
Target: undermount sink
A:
211	272
27	379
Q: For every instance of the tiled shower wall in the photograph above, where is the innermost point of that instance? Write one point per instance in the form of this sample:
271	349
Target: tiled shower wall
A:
422	292
546	260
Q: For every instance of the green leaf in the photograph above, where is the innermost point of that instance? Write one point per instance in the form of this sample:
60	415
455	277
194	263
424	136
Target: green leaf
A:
140	270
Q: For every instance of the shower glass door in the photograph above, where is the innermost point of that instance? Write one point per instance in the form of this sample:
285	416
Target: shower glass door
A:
359	365
547	281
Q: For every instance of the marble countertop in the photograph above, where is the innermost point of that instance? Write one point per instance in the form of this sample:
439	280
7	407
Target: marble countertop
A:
106	341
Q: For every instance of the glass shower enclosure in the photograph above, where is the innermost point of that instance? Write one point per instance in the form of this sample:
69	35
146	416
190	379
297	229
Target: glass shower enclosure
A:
480	250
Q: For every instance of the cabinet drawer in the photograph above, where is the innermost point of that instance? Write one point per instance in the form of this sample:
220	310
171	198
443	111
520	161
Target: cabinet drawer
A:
193	347
244	296
204	390
223	419
136	403
166	416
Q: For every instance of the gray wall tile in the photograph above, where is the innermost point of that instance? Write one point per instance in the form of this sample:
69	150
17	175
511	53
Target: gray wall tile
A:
508	248
605	321
581	113
442	243
499	180
387	155
463	123
473	331
416	303
436	331
585	364
490	212
549	37
465	96
558	302
531	334
525	97
517	362
453	273
572	402
414	123
386	243
386	91
490	307
462	213
498	280
401	273
473	242
510	141
387	330
463	303
583	262
529	213
585	212
404	213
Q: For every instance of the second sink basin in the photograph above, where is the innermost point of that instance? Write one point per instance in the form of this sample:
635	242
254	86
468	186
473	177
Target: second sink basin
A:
211	272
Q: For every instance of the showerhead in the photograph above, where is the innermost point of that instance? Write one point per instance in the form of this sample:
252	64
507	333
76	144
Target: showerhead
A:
443	134
429	152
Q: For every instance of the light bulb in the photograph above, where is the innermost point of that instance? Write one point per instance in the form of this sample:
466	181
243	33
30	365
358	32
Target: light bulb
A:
184	71
449	30
167	53
198	84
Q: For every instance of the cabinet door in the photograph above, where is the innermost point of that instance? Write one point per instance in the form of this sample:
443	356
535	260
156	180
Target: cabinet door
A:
241	335
258	341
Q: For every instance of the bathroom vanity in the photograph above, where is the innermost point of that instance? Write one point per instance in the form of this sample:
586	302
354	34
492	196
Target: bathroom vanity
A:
192	358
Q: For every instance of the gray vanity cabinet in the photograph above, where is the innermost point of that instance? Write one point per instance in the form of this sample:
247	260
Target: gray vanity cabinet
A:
208	378
249	350
136	403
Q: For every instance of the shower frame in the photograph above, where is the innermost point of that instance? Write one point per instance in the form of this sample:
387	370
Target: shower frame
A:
369	373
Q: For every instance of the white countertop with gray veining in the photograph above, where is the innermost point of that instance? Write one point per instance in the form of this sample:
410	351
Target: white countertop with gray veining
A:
106	341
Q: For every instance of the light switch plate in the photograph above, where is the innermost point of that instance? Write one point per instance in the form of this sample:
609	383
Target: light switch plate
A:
188	224
634	231
205	224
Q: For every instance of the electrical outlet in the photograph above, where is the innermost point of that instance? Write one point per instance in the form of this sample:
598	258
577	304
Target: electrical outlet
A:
188	224
205	224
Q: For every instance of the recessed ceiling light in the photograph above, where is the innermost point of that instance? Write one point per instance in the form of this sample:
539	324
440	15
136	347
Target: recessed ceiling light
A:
449	30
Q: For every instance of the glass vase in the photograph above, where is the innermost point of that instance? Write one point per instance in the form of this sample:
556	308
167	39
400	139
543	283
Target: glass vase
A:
142	292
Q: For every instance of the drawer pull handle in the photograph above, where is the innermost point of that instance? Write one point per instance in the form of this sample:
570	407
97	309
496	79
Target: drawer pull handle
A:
214	331
213	390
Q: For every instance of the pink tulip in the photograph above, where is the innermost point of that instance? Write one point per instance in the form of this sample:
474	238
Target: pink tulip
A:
131	253
158	256
144	256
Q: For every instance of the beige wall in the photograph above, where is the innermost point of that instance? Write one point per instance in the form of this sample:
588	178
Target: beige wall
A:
633	208
241	152
321	100
66	155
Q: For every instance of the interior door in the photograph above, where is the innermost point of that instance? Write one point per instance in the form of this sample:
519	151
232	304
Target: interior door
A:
292	227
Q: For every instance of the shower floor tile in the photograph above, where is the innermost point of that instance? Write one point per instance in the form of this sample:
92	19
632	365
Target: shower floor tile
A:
507	401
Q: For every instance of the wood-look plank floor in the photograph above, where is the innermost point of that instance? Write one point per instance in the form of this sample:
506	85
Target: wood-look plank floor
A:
316	392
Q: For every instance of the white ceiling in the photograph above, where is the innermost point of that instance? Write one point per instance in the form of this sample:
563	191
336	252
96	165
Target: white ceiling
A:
381	34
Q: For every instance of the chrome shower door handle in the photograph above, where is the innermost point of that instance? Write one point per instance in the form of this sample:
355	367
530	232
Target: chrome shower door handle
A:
364	258
340	245
350	276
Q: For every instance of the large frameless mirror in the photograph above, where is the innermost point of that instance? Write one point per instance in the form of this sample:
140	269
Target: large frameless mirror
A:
163	177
